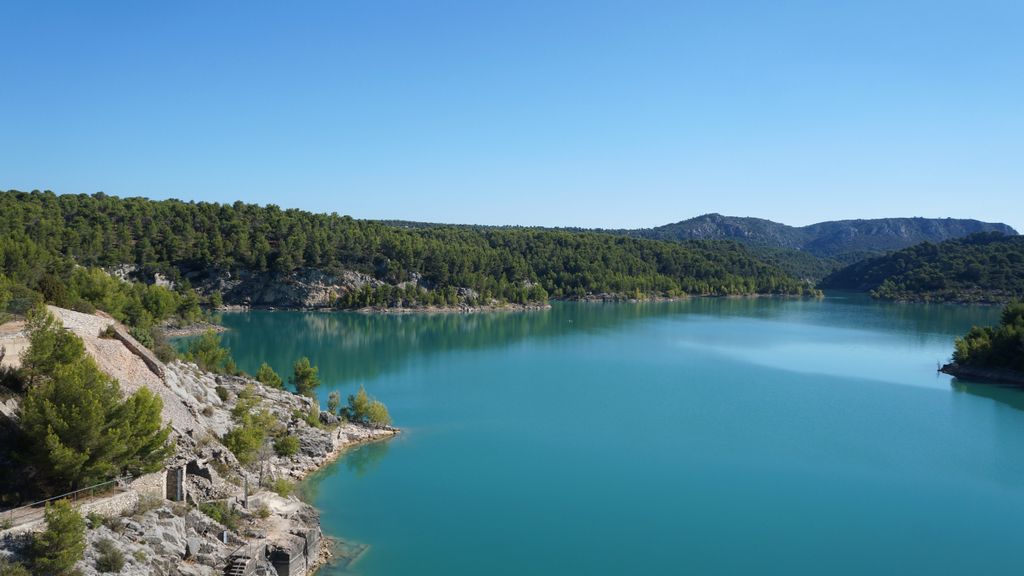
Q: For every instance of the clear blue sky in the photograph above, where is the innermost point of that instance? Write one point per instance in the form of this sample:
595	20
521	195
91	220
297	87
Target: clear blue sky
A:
610	114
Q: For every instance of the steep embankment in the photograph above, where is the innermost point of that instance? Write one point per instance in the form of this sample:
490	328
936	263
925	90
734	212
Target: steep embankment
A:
155	521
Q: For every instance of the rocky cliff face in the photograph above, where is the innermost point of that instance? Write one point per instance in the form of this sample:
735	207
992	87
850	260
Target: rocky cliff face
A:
305	288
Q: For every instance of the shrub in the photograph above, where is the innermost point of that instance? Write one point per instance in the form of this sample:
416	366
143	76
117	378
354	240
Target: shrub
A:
222	513
282	487
312	416
144	335
62	544
110	558
207	410
95	519
14	569
286	446
253	426
114	523
263	512
147	503
266	376
222	393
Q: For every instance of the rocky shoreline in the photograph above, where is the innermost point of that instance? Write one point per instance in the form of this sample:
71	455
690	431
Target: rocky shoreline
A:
990	375
196	329
206	511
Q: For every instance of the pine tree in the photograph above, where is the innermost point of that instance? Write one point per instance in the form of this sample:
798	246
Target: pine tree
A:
268	377
208	354
78	429
377	414
333	402
144	442
50	345
64	418
305	377
358	405
62	544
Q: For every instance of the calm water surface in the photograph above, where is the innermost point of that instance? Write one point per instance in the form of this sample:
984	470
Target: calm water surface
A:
715	436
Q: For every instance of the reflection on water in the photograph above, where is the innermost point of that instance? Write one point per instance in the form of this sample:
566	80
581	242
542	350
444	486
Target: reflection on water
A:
1007	394
365	458
359	461
709	436
354	347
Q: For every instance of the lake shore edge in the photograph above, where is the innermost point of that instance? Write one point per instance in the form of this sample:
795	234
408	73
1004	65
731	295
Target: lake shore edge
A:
1003	376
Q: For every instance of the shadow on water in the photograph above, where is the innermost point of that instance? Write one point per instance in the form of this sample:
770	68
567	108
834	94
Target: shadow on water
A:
1010	395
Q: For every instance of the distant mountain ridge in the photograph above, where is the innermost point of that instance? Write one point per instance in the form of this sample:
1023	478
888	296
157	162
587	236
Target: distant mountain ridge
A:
833	239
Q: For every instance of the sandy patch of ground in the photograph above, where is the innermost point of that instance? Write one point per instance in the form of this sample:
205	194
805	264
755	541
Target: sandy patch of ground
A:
14	342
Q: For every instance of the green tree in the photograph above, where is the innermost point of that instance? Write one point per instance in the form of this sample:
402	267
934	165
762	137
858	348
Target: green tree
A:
5	297
358	405
206	351
1000	346
50	345
304	377
333	402
252	427
77	428
377	414
144	440
62	544
366	410
268	377
188	305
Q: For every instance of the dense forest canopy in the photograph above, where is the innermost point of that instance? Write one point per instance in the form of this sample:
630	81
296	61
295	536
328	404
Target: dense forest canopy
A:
43	234
995	347
987	267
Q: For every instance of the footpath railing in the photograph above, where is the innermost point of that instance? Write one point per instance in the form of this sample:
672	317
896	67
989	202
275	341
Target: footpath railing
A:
29	512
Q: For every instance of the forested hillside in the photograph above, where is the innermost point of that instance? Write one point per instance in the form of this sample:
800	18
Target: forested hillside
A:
42	235
980	268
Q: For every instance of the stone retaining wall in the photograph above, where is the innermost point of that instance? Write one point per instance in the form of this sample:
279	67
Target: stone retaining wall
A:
133	346
116	505
154	484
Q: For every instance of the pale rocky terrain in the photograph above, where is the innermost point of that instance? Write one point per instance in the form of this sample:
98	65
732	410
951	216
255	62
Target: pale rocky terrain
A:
161	537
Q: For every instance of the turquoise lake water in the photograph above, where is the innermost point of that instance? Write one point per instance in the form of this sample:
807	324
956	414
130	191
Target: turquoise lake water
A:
712	436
